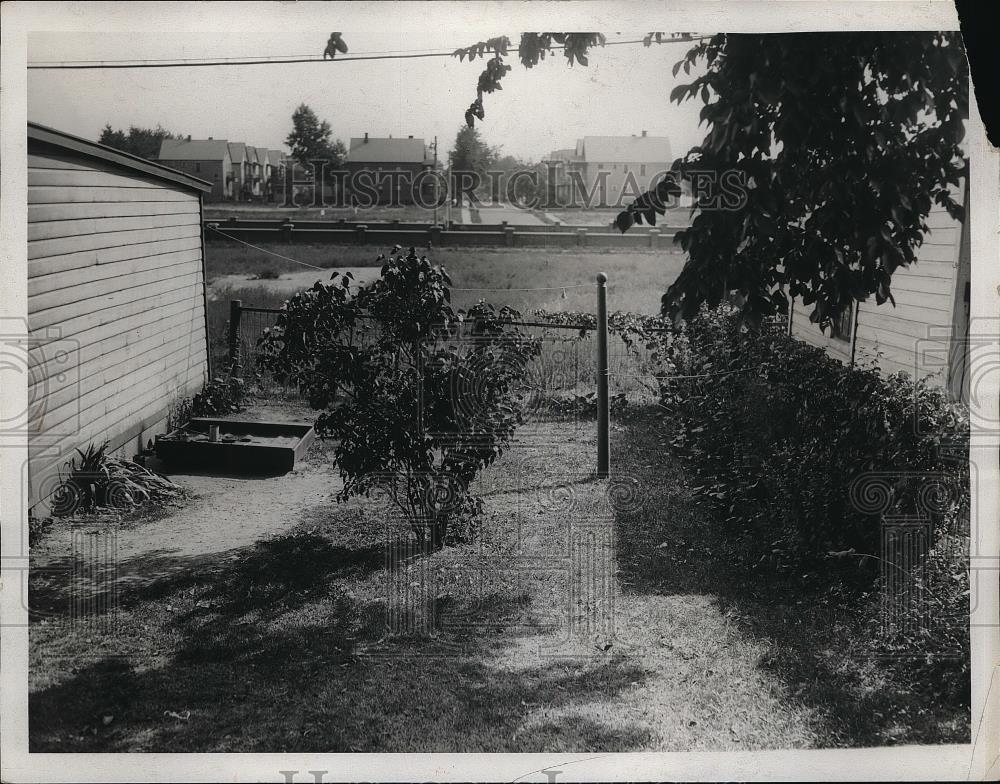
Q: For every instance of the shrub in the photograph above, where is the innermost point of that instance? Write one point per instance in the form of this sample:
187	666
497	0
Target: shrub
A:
97	479
418	396
802	455
222	395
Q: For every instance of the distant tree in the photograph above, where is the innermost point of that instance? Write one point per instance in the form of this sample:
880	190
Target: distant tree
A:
310	139
143	142
471	157
518	181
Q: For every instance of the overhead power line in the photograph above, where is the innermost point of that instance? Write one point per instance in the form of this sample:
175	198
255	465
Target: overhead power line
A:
282	59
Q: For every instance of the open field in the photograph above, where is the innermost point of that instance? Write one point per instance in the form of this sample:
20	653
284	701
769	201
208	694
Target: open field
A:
588	615
637	279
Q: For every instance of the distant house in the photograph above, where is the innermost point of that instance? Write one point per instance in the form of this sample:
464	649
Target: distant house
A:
276	182
206	159
265	171
251	165
386	170
925	333
242	187
116	297
613	170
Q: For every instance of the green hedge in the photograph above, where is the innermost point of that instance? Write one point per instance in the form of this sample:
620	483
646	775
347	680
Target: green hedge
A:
802	455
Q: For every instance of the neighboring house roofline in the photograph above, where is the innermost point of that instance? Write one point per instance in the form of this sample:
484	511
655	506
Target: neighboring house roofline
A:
42	134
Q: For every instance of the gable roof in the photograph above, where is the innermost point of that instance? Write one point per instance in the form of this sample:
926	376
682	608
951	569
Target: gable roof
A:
51	138
262	155
237	151
275	157
377	150
625	149
193	150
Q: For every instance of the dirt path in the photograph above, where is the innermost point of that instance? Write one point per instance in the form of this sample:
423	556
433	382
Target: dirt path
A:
220	515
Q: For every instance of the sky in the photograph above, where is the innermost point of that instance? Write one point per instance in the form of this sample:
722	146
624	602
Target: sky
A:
623	91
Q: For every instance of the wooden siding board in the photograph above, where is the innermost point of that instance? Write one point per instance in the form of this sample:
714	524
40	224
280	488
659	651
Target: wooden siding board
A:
118	370
100	318
150	328
60	195
88	343
42	284
49	230
88	258
126	397
110	239
121	297
91	289
103	209
86	178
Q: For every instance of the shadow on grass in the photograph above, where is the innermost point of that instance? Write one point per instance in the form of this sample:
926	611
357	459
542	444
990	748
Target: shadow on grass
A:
671	546
285	647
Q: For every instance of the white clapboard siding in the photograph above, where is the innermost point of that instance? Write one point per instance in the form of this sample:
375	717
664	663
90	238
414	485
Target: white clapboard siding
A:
66	195
50	230
39	213
90	258
116	301
906	336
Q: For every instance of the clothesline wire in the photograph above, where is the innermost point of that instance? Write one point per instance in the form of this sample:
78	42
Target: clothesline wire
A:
268	252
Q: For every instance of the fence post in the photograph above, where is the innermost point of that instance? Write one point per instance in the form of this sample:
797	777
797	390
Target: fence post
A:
654	238
235	310
603	414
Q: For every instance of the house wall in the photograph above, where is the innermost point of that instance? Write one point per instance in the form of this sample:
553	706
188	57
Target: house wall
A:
383	180
914	335
620	189
213	171
115	307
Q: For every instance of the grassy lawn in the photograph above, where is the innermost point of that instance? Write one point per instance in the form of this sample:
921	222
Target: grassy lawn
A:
637	278
587	616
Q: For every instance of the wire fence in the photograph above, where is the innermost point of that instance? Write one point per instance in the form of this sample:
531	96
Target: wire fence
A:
562	377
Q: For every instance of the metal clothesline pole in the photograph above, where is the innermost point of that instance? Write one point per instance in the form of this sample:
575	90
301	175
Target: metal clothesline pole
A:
603	413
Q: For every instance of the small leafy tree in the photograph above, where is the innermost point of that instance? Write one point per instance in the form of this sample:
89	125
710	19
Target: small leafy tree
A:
419	397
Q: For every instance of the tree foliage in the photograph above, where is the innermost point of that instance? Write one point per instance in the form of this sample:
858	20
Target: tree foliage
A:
143	142
471	155
843	144
418	397
838	145
310	139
